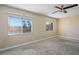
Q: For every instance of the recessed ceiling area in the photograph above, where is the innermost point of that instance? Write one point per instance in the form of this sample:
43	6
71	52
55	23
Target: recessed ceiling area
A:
47	9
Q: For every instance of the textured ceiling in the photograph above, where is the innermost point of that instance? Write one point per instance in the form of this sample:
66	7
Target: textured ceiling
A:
47	9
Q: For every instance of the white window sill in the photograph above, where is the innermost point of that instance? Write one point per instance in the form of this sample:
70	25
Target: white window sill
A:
15	33
18	33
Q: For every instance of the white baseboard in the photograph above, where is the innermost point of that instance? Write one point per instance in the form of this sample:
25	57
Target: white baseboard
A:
4	49
70	38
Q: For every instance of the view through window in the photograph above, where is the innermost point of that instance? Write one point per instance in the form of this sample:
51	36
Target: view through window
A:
49	26
17	25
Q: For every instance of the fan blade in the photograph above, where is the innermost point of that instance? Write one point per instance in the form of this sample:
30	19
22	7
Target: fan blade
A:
56	11
58	7
70	6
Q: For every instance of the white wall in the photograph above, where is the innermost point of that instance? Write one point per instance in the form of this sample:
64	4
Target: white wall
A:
69	27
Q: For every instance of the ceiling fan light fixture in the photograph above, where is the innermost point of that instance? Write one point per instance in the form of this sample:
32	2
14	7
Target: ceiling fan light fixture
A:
63	9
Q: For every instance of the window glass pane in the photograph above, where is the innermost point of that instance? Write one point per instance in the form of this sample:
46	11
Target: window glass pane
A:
26	25
15	21
18	25
15	25
49	26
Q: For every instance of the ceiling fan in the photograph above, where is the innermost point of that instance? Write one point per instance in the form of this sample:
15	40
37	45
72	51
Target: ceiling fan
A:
63	9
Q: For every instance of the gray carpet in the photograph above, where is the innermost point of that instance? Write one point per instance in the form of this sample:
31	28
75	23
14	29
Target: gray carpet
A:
53	46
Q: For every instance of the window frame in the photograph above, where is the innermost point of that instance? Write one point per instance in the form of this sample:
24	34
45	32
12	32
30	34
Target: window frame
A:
22	18
49	26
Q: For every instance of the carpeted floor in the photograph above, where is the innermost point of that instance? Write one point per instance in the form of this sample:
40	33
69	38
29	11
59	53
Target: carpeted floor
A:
53	46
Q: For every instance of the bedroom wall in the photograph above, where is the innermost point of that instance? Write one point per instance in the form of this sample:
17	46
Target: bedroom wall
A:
38	27
69	27
3	29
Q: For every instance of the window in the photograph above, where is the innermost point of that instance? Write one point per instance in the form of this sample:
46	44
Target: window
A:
49	26
17	25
